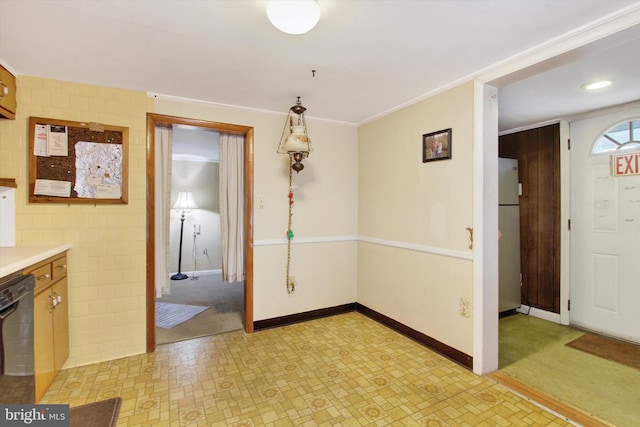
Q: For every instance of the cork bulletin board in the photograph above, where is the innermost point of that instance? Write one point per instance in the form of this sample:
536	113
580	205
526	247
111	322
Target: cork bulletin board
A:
77	163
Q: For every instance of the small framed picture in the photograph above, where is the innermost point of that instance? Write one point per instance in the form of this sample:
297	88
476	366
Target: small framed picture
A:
436	145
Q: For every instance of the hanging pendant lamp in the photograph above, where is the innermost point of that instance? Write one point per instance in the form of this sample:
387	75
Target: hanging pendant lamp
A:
297	143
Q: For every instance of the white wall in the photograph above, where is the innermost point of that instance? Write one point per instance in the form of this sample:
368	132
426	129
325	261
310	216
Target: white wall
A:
201	178
325	209
414	264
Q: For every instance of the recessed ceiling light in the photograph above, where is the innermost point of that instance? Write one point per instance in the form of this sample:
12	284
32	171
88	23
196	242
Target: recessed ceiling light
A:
596	85
293	16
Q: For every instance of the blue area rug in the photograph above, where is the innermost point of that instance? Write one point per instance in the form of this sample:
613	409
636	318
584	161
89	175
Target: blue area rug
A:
170	315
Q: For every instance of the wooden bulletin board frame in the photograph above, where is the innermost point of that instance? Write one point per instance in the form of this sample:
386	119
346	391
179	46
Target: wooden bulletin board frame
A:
63	168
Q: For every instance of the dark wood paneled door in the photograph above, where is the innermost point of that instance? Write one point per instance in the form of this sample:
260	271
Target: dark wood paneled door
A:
538	154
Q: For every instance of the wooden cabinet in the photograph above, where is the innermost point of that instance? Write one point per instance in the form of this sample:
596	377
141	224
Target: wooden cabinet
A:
8	102
51	320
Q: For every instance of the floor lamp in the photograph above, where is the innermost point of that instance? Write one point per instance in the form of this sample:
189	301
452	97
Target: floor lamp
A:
184	203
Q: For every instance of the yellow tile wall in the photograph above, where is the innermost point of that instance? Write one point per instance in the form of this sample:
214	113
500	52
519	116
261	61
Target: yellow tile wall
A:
107	264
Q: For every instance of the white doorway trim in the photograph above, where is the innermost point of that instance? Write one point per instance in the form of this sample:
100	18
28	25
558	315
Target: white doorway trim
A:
525	64
485	220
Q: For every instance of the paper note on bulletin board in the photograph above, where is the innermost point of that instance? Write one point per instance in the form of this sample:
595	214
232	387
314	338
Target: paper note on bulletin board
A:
98	170
51	140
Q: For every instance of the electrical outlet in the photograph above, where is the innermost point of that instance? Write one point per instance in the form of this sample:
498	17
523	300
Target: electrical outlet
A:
204	251
465	307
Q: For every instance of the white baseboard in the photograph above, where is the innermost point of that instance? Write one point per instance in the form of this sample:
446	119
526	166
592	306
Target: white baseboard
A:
541	314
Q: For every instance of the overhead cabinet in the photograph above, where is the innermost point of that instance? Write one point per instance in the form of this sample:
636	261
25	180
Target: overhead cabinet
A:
8	102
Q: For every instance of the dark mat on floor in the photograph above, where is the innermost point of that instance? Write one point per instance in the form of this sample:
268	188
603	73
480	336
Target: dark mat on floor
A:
610	349
98	414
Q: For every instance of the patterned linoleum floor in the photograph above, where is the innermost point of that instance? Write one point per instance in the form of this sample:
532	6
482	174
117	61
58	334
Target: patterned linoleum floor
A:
344	370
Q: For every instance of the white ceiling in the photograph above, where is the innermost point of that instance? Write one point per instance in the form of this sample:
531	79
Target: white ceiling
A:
553	89
370	56
195	144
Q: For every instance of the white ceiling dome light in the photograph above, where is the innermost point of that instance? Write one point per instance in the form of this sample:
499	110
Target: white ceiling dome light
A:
600	84
293	16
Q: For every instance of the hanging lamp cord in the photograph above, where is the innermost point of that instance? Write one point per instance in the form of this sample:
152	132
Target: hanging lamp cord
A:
290	283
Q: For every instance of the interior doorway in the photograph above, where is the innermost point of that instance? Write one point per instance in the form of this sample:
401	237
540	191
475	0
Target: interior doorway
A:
154	120
537	151
534	351
196	302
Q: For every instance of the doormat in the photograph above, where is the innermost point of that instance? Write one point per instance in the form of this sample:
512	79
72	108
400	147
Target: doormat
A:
98	414
607	348
170	315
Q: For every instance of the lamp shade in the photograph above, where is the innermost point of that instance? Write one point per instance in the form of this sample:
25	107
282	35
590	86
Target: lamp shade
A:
297	141
293	16
185	201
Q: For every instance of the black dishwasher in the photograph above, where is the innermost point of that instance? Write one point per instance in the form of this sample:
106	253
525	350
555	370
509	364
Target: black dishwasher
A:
17	381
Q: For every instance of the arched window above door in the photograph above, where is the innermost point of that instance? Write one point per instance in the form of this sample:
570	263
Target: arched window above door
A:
623	136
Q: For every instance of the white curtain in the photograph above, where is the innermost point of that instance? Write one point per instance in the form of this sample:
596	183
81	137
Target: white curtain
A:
231	195
162	193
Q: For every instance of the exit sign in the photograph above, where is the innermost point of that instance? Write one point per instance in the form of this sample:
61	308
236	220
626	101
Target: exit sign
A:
625	164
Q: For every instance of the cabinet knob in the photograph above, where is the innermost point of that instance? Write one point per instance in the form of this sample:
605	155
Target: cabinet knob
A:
63	266
4	90
44	276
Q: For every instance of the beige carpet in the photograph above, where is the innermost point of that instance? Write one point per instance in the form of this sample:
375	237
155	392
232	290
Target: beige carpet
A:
225	302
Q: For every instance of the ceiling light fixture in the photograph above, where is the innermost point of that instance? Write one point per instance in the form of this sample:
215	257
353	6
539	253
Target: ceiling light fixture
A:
293	16
596	85
297	146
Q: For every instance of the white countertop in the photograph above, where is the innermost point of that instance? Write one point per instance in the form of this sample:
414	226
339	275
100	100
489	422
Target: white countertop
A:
19	257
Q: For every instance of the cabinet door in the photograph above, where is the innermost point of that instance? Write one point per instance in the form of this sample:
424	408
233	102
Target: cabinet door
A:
8	91
43	343
60	324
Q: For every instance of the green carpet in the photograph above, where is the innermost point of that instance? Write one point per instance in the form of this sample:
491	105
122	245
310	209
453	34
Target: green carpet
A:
533	351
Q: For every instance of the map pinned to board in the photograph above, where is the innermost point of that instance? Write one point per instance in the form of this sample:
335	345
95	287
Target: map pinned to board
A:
98	170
